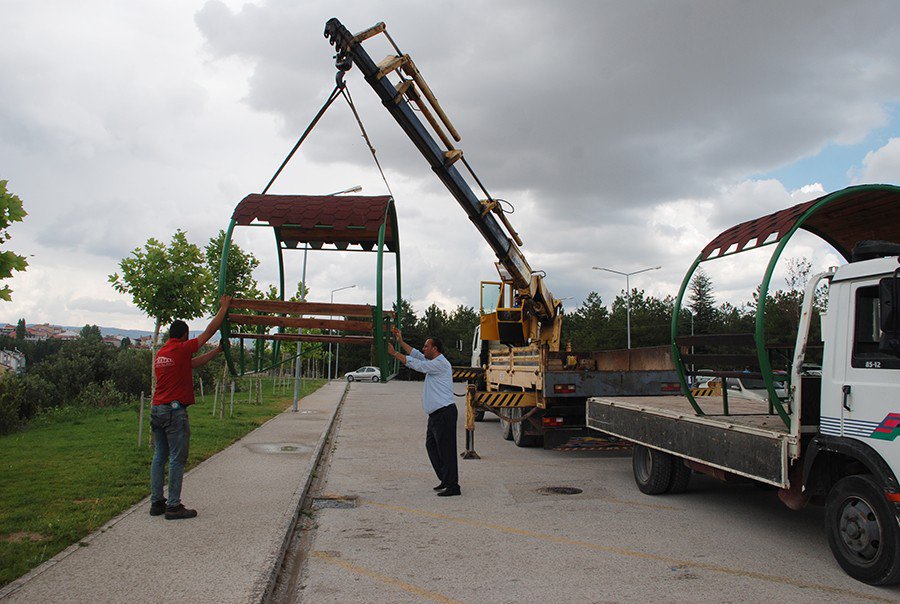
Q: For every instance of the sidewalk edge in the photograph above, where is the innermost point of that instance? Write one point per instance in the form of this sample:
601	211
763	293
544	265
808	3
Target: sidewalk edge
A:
262	588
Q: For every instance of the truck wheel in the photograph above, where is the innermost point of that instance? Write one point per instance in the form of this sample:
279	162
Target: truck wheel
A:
519	435
505	426
862	530
479	416
652	469
681	477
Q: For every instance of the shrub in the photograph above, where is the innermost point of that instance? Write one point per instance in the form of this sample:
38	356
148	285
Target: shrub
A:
12	395
102	394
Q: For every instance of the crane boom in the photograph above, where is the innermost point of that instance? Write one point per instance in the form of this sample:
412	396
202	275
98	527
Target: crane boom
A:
397	99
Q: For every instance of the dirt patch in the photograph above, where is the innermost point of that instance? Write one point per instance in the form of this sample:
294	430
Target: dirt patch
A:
22	536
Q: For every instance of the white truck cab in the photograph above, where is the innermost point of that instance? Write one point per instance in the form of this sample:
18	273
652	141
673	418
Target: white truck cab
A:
835	438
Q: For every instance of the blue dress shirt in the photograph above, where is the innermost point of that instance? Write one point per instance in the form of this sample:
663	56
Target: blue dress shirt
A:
438	390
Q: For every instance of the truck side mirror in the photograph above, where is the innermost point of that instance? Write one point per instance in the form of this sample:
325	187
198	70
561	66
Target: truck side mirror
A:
889	298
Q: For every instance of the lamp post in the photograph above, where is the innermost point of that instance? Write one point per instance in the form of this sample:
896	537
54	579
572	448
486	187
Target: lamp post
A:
332	331
627	292
353	189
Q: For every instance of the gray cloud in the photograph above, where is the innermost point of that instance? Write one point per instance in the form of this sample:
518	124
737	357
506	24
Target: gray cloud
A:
626	134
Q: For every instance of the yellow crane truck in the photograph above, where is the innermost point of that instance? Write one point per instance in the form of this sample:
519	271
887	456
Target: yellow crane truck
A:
521	373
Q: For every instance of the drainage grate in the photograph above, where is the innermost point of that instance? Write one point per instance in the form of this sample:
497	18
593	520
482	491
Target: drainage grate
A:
341	502
559	491
278	448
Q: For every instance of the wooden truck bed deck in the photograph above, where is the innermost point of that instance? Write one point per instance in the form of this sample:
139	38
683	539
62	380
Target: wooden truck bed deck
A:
755	446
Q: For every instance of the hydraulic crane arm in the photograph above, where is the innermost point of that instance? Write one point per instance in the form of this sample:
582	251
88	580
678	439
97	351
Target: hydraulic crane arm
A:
397	99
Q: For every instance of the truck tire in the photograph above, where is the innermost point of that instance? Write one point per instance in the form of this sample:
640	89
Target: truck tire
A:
519	435
862	530
681	477
505	426
479	416
652	469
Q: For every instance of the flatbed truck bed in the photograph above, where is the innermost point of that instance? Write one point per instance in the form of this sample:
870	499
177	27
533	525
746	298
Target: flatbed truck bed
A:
748	442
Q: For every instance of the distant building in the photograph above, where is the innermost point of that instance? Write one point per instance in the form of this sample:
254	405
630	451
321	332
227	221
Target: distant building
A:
143	342
12	361
113	340
43	331
66	335
8	330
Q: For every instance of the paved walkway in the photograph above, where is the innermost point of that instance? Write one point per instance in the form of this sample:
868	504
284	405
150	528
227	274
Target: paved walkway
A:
247	497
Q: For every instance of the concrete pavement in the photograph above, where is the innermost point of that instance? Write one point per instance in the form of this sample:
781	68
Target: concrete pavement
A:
514	536
247	496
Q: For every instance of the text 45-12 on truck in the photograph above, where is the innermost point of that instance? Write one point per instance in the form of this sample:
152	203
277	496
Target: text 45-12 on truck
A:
834	439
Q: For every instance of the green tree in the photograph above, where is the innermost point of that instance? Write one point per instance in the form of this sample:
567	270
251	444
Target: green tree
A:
166	282
11	211
588	326
21	330
701	302
91	332
239	281
461	323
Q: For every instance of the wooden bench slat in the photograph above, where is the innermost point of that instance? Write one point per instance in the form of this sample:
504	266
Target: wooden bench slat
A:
717	339
312	323
306	308
747	360
296	337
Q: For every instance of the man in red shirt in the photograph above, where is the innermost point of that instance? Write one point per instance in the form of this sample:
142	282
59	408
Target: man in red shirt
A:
174	393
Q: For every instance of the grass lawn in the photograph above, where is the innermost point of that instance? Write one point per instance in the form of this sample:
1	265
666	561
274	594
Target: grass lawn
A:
70	472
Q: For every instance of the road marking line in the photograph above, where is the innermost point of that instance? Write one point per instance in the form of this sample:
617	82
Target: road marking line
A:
431	595
631	553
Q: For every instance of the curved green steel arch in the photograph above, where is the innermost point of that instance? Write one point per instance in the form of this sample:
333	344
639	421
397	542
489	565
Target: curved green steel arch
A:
759	334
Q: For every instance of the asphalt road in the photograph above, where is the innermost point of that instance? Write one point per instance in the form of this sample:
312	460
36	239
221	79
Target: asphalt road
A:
384	536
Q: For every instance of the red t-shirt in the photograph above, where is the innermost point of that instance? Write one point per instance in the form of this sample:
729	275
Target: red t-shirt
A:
174	375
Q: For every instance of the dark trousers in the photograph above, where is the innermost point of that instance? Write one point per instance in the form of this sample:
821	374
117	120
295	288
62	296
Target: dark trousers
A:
440	442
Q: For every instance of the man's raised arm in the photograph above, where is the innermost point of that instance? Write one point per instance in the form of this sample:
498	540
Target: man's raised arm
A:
216	323
206	357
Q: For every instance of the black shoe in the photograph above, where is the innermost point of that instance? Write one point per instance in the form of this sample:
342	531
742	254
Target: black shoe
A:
157	508
178	512
450	492
440	487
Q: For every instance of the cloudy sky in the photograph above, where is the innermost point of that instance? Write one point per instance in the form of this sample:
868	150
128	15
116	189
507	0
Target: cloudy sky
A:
626	134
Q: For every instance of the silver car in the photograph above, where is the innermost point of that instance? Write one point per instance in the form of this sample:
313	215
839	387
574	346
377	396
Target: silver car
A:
364	374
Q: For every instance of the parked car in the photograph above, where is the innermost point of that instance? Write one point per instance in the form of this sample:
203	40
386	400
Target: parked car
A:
748	388
364	374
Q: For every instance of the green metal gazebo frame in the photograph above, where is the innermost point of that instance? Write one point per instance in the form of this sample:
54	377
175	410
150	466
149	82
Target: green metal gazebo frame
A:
326	223
842	219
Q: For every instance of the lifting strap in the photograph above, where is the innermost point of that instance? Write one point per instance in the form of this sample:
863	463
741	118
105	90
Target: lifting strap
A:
340	89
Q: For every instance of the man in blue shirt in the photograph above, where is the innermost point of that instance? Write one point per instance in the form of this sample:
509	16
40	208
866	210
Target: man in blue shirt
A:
438	403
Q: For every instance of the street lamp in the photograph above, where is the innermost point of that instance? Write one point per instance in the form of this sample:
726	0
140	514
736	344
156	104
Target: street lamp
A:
332	331
628	292
353	189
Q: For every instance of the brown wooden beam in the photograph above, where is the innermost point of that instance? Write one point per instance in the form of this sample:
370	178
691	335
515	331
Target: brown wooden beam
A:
336	324
306	337
306	308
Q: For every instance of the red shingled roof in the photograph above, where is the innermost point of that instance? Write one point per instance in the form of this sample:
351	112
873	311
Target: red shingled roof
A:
843	220
340	220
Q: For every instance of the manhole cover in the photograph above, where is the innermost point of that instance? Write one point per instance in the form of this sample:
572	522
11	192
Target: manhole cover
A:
559	491
335	501
278	448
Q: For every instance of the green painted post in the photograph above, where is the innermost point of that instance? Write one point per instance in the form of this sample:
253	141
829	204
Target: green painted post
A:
378	311
676	353
225	330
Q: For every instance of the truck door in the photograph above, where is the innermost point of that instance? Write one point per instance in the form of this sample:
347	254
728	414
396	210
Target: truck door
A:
870	393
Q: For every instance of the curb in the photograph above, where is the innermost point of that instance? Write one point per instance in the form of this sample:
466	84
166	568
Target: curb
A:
262	588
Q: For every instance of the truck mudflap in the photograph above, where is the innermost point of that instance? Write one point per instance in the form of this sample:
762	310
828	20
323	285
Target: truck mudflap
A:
758	454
